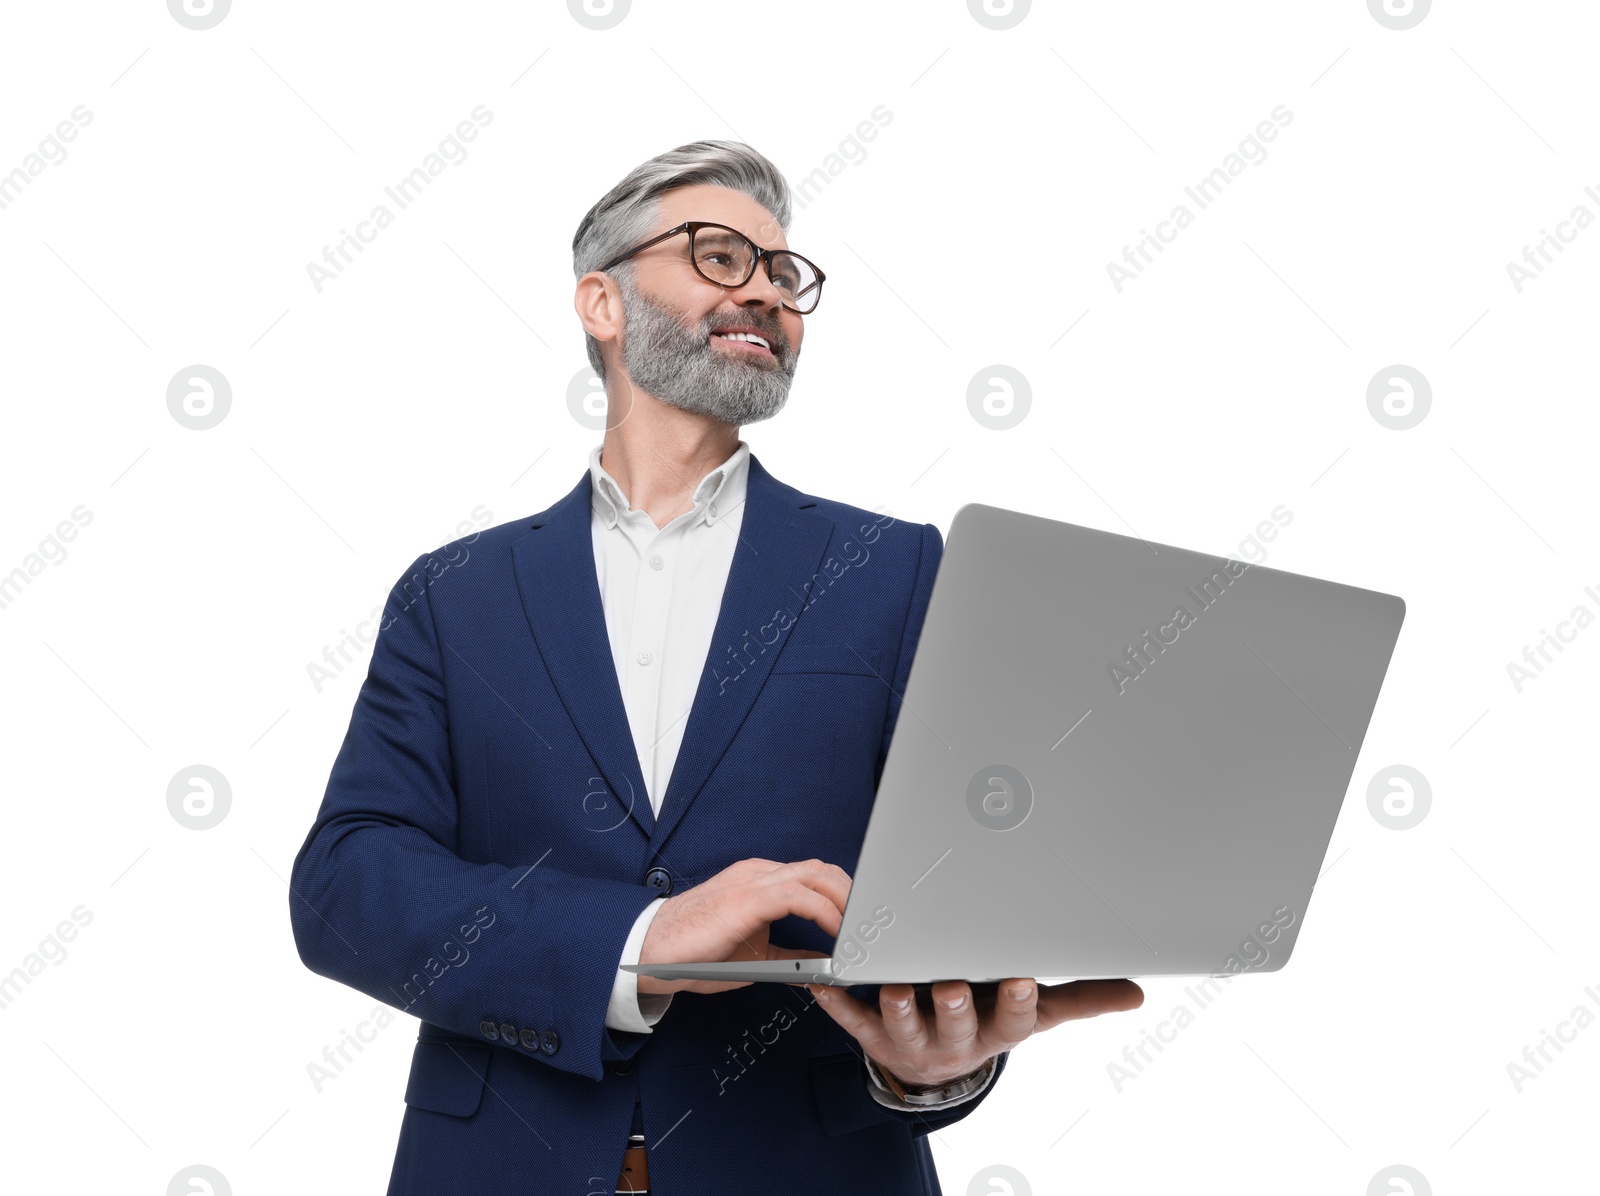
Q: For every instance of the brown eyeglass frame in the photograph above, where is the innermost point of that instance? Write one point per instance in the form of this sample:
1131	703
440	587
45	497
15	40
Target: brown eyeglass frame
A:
761	254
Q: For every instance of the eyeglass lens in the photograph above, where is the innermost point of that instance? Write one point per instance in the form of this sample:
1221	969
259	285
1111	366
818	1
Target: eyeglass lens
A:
729	258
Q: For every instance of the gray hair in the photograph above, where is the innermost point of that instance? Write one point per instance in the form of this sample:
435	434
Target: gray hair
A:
627	214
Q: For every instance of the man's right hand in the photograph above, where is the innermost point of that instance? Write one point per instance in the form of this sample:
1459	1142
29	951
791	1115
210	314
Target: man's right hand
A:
728	917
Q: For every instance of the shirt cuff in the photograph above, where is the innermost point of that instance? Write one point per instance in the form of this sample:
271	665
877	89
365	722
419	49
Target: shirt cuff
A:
629	1008
889	1100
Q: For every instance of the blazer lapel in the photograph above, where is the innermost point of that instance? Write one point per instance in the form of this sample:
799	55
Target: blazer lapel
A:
781	545
561	597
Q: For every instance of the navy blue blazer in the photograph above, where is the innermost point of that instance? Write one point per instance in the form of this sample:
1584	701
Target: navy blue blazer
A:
485	844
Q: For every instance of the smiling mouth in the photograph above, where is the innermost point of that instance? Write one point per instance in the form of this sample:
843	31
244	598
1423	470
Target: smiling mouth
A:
743	345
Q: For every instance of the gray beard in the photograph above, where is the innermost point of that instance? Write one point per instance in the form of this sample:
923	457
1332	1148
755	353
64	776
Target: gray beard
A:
677	365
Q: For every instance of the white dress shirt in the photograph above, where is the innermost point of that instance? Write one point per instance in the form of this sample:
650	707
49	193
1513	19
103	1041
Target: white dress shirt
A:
661	589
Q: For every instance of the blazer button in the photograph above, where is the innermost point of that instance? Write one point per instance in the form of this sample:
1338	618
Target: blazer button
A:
660	879
508	1033
487	1029
620	1067
530	1039
549	1042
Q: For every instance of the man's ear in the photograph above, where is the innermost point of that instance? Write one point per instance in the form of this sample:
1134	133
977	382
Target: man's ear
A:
598	303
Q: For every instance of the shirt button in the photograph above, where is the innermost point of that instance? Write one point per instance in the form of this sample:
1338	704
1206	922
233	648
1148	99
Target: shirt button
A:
713	508
645	658
656	562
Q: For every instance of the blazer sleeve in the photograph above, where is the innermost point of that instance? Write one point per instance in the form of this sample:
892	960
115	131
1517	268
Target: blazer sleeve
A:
380	901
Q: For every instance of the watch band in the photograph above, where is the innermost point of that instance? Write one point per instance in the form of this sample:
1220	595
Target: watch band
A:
929	1094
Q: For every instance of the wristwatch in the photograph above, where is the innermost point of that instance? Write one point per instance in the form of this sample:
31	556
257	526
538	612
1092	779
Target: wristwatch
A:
922	1095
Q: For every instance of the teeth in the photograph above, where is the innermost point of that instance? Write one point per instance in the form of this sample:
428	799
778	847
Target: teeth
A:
746	336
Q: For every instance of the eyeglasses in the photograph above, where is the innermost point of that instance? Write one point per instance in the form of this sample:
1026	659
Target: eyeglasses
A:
728	258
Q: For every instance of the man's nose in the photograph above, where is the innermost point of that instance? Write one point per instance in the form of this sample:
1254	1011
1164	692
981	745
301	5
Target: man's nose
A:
760	287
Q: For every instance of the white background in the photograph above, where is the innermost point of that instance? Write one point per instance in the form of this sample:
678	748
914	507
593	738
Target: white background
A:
431	376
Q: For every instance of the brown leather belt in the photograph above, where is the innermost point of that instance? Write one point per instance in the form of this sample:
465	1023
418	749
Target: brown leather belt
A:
635	1176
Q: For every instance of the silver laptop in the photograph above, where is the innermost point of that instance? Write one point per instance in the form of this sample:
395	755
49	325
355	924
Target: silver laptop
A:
1113	759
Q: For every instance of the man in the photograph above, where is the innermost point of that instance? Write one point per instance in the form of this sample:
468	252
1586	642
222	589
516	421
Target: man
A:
646	724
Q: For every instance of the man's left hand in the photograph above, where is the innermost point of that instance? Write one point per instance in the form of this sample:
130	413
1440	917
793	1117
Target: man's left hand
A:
955	1033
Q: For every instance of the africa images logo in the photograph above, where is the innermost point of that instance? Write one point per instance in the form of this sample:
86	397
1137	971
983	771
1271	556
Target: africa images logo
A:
1141	655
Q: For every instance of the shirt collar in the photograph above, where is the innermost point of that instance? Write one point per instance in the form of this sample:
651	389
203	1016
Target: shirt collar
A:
718	495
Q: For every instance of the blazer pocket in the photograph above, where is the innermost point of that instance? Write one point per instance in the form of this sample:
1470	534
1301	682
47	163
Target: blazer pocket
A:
828	656
448	1077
